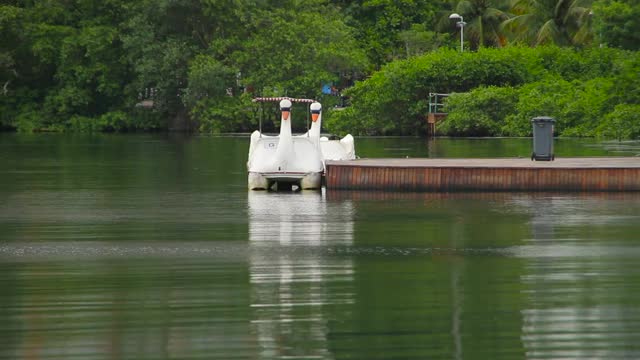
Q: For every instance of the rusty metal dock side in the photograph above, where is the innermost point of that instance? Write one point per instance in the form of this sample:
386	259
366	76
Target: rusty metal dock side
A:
567	174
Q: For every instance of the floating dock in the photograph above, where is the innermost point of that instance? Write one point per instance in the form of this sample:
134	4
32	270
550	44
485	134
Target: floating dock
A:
508	174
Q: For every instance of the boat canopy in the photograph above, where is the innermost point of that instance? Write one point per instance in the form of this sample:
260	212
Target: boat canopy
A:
278	99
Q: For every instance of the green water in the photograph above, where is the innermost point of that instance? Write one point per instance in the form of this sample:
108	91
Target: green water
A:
150	247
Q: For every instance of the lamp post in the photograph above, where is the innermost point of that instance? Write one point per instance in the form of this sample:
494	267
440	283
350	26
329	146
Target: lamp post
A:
461	25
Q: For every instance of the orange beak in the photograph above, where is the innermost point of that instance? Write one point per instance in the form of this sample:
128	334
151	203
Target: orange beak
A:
314	117
285	115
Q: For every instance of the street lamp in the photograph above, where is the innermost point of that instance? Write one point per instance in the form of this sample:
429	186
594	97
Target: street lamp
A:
461	25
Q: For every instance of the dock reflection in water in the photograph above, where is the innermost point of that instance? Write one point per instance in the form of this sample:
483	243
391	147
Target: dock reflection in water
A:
297	288
581	277
535	276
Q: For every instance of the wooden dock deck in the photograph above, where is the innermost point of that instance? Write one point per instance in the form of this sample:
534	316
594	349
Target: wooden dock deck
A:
508	174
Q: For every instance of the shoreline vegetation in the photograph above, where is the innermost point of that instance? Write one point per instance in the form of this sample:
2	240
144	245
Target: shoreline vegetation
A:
195	65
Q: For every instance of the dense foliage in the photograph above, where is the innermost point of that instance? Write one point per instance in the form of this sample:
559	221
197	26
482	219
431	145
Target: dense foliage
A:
496	92
120	65
114	65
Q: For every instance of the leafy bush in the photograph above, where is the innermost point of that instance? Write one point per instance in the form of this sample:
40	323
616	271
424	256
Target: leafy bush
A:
29	119
578	107
547	97
585	111
208	78
84	124
617	22
577	87
395	99
224	114
626	79
622	123
480	112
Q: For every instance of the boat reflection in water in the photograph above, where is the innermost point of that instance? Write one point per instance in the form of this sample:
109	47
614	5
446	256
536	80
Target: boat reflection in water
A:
294	278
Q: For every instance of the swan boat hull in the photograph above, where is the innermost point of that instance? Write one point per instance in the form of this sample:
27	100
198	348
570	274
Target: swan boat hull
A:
284	180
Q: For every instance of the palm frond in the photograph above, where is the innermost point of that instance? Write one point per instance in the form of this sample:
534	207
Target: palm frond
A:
547	33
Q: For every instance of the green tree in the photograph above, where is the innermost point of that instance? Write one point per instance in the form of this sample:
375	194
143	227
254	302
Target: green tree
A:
617	23
394	100
626	82
69	62
210	96
418	40
299	49
11	50
560	22
160	38
480	112
283	49
86	64
622	123
383	25
10	39
547	97
484	19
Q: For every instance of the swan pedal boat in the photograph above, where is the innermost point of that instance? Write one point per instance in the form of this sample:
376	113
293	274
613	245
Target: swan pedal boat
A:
289	160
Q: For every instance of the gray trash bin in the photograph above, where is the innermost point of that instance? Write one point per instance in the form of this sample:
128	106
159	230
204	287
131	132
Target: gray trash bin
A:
542	138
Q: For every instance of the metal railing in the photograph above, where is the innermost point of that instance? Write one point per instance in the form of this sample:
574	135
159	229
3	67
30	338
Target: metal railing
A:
436	102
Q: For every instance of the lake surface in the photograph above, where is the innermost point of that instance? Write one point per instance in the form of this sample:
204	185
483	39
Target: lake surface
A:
150	247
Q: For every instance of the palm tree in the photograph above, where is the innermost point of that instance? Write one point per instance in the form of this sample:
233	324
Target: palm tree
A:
560	22
483	18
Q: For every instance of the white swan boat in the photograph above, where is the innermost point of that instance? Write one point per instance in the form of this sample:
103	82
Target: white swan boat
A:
287	160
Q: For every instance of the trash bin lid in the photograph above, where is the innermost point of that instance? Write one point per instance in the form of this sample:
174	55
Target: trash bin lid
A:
543	119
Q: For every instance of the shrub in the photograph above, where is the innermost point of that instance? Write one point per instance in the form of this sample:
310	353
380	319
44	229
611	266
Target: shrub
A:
542	98
622	123
583	113
395	99
574	86
480	112
224	114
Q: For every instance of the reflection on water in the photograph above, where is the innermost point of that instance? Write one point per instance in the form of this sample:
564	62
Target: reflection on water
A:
579	288
293	289
132	309
145	247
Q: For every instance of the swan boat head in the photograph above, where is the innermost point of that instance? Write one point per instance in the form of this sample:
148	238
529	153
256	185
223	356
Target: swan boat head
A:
316	118
285	119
